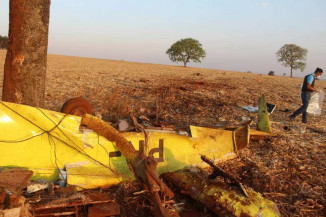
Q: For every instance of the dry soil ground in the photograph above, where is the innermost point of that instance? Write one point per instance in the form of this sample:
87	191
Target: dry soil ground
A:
288	169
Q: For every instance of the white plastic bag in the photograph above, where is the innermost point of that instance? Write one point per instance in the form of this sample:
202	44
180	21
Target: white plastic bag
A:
315	102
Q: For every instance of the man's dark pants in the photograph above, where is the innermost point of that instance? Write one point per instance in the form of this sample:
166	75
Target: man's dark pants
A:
305	96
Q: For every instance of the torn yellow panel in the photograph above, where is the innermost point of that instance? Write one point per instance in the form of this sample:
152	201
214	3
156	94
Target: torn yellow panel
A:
218	142
257	135
45	141
221	198
92	176
263	118
241	137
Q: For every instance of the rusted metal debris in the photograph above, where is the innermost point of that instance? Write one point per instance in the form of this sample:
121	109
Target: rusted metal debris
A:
63	201
12	182
223	197
90	202
143	167
100	210
13	204
15	179
219	197
77	106
220	172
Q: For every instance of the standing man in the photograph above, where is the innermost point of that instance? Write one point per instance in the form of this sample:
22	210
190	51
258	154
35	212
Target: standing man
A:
308	87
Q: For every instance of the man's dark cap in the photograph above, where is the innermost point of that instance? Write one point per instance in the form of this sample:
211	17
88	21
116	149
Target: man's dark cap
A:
318	70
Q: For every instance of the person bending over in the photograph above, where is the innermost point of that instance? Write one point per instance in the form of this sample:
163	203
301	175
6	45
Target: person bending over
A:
308	87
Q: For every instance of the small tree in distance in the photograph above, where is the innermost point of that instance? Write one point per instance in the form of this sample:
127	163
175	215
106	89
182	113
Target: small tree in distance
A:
293	56
185	50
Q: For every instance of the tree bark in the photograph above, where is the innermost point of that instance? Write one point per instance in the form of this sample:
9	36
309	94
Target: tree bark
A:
291	71
185	62
25	65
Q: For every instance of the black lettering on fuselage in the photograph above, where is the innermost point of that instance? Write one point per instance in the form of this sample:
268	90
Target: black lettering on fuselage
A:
141	150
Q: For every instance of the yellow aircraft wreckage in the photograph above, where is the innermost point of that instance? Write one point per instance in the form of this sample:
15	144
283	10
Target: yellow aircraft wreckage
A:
48	143
56	146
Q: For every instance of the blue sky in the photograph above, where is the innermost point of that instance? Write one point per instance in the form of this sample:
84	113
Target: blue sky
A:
240	35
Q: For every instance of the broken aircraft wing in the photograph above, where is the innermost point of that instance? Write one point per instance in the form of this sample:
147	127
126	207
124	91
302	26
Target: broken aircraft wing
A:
51	143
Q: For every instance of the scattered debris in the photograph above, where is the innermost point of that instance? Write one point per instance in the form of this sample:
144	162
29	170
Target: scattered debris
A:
143	167
123	125
270	108
13	212
102	210
217	171
244	118
251	108
37	187
15	180
221	198
12	183
89	203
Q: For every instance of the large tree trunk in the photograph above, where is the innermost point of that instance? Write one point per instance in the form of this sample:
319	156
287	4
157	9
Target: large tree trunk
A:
291	71
25	65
